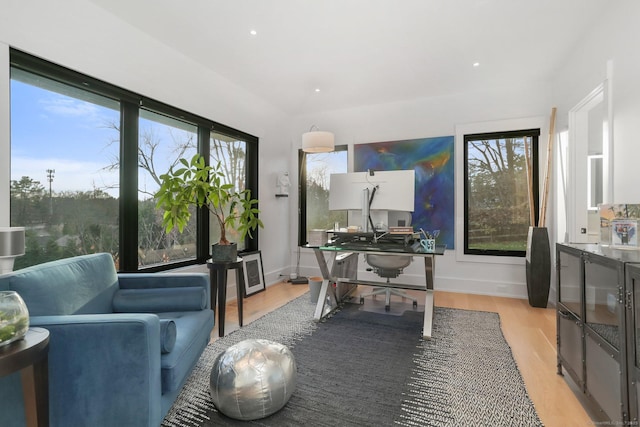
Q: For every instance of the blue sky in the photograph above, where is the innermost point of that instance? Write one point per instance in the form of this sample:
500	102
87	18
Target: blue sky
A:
77	139
53	131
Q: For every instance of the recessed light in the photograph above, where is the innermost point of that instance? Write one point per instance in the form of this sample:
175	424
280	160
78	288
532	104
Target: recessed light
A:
476	64
317	89
253	32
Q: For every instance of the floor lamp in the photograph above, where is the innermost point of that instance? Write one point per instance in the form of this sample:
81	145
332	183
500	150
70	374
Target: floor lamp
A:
11	246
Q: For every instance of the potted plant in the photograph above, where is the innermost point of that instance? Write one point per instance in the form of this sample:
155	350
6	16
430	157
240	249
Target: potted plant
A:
196	184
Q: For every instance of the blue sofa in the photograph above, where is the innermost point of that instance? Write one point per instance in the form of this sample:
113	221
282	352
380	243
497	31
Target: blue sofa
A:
121	345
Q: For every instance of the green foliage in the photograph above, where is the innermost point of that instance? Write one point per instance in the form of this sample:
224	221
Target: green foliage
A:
196	184
318	214
27	201
79	223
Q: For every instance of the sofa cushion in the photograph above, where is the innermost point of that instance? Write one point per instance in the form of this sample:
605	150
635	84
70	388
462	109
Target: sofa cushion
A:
168	332
157	300
79	285
192	335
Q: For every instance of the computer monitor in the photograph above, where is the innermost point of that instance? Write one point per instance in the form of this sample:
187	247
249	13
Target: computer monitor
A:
369	192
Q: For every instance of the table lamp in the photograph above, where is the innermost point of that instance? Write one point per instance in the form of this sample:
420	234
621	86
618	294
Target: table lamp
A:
11	246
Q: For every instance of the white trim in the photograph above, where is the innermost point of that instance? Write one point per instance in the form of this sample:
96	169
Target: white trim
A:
578	150
607	143
5	134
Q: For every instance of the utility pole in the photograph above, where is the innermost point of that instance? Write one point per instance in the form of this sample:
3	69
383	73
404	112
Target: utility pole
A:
50	173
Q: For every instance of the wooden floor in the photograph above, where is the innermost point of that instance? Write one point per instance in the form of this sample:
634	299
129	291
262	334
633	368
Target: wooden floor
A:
531	333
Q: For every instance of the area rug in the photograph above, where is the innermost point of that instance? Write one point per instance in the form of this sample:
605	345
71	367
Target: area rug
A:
362	368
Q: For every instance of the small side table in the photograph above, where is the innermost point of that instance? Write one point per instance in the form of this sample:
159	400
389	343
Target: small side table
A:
30	356
218	277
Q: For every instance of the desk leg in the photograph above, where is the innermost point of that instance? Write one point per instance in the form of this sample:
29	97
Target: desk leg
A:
240	291
35	389
322	308
322	263
222	299
429	264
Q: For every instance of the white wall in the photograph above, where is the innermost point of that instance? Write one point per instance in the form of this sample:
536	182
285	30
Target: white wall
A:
613	38
429	118
5	131
78	35
85	38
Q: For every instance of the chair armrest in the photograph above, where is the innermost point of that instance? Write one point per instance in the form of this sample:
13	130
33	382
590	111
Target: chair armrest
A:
103	364
166	280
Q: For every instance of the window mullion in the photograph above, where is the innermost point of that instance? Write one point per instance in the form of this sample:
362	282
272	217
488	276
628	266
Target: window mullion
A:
128	187
202	243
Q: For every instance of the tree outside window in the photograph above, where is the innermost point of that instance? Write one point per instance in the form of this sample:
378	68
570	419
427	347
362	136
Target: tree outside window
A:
162	141
231	153
315	170
86	157
496	191
62	191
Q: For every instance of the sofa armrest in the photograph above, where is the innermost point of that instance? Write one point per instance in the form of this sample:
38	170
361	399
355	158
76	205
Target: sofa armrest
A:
166	280
104	367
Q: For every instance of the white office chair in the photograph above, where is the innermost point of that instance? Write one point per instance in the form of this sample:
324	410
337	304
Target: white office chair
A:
390	266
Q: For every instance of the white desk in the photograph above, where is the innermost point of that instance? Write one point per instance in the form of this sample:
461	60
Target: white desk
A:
330	297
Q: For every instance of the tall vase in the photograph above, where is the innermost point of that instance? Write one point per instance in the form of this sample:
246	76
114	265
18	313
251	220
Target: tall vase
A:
538	264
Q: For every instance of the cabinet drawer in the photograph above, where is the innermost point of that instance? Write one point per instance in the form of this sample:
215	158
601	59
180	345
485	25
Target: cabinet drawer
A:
603	376
570	281
570	345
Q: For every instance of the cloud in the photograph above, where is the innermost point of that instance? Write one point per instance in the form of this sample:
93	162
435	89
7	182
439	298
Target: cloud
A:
63	106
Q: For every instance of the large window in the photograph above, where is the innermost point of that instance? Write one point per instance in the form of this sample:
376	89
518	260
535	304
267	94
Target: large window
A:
162	142
499	169
86	158
63	189
315	170
231	152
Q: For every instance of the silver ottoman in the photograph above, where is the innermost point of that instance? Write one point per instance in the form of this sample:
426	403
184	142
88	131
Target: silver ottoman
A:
253	379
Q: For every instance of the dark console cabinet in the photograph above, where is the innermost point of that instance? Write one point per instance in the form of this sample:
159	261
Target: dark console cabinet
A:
596	332
632	303
570	313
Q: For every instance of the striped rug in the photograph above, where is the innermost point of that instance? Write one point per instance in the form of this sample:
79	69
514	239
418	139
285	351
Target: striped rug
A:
361	368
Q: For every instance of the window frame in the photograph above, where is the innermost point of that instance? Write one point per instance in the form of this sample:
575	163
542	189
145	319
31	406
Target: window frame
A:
534	134
302	192
130	104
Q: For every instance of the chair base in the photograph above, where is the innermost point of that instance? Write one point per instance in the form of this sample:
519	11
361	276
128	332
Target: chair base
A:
387	293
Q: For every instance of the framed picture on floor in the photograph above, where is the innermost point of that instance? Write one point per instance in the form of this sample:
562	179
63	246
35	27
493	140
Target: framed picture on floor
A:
253	273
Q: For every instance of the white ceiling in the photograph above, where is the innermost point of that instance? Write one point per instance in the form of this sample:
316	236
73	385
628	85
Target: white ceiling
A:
361	52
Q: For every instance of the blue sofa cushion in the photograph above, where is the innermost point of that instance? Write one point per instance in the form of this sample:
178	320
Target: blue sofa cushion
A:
158	300
167	335
79	285
193	330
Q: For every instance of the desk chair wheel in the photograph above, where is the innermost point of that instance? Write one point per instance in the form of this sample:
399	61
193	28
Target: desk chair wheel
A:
415	304
387	308
361	300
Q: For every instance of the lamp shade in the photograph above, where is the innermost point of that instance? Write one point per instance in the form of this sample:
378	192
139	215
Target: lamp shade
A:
11	241
317	141
11	246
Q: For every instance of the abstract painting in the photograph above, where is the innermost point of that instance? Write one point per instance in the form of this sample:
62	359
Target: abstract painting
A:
432	161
